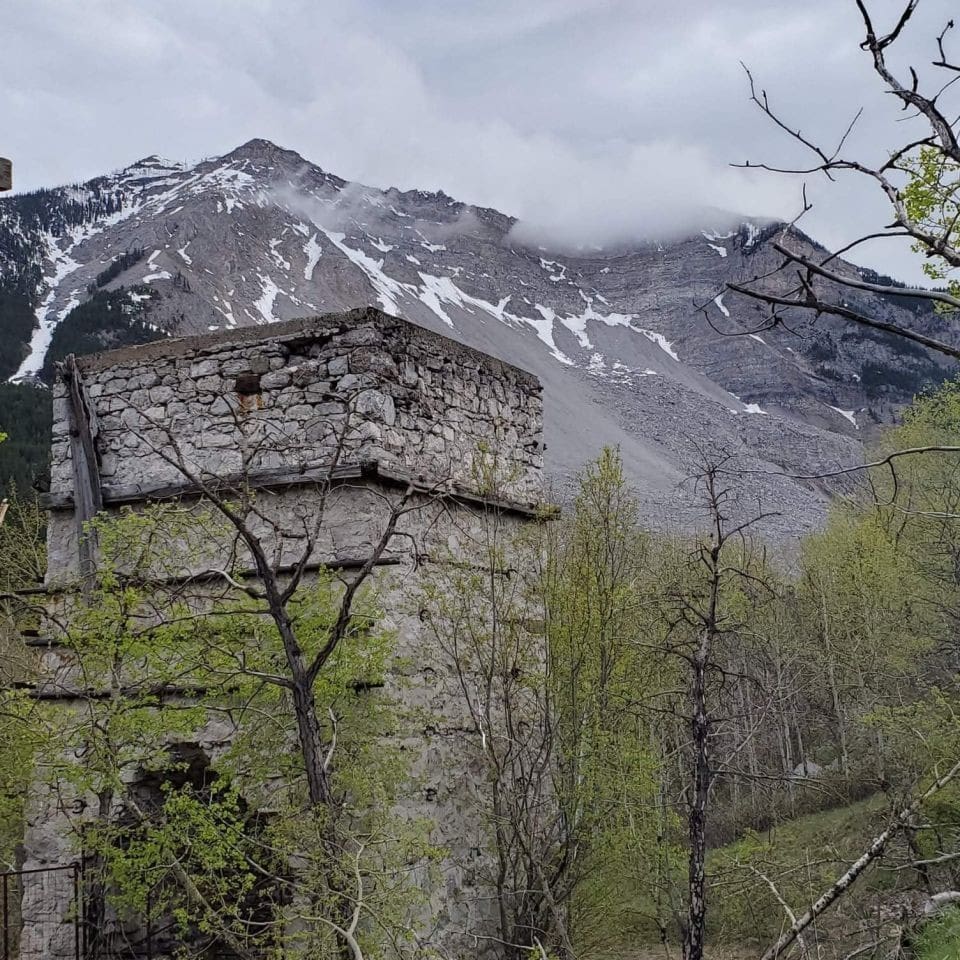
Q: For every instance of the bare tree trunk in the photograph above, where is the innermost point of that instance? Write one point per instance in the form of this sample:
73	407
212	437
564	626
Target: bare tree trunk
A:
693	937
713	623
835	693
311	746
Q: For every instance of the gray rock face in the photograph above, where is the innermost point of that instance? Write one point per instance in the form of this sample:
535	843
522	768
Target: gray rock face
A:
631	343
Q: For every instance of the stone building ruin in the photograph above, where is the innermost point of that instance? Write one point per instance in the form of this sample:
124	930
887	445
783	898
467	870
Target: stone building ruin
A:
399	407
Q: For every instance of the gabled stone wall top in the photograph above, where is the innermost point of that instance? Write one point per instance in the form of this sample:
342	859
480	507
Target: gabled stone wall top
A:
259	398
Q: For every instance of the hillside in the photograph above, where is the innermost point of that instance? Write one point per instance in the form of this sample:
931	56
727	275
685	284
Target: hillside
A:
632	344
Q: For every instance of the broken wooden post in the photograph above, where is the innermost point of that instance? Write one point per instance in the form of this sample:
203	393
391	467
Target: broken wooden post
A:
87	495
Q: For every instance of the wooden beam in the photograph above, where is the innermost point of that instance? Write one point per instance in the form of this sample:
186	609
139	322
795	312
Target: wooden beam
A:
52	691
86	466
6	174
116	495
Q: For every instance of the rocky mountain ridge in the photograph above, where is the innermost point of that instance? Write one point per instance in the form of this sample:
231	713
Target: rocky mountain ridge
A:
636	346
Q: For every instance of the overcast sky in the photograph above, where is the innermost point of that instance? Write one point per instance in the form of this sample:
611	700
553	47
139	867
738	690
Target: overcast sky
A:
590	119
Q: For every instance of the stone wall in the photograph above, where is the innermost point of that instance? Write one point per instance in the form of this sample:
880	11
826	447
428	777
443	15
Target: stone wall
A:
287	394
368	388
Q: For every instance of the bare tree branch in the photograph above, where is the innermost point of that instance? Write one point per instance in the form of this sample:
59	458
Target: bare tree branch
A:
847	880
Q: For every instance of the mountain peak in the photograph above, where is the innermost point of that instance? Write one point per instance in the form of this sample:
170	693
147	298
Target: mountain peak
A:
154	164
261	149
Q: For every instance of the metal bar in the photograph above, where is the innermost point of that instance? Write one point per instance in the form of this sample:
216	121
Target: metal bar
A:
23	873
6	917
77	911
149	926
84	933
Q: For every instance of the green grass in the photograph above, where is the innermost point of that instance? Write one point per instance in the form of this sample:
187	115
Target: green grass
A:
801	857
939	939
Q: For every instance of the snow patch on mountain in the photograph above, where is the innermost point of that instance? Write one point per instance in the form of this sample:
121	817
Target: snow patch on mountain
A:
847	415
438	290
753	235
544	329
557	271
265	302
313	251
277	257
661	341
387	289
63	266
577	323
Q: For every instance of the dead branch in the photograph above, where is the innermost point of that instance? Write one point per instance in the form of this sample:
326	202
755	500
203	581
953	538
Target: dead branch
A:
850	877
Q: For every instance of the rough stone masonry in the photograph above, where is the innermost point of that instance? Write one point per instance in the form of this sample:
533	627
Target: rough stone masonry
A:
396	405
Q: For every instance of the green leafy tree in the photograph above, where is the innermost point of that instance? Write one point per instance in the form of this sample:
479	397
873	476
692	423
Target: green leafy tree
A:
603	676
171	748
932	201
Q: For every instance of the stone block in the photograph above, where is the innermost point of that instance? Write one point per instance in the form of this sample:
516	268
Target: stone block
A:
275	380
204	368
235	365
372	403
161	394
359	336
338	366
350	383
300	411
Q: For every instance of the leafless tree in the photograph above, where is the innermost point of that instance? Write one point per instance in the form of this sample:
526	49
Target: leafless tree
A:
820	283
701	628
482	612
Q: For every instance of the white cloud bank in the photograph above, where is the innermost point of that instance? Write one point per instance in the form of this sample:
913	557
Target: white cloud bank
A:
592	120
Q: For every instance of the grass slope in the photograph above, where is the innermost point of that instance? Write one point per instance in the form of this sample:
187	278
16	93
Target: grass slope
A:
801	857
939	939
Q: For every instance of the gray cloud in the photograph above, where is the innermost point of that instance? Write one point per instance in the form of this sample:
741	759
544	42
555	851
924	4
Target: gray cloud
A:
591	120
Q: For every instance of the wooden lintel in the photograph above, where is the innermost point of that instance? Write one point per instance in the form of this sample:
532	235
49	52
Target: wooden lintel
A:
116	495
334	563
51	691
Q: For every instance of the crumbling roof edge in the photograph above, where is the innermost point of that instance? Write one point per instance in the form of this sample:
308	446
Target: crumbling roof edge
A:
311	327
